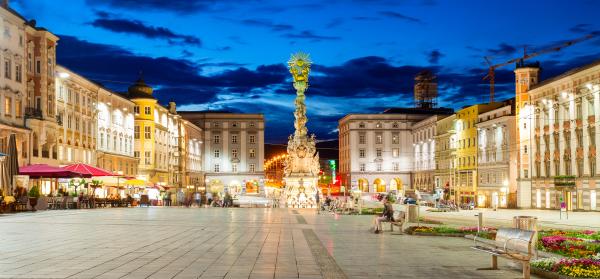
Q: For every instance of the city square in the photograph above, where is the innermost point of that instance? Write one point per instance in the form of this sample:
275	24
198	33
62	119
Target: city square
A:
224	243
262	139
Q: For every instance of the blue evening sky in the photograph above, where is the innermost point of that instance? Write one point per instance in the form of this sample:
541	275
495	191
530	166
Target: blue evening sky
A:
229	55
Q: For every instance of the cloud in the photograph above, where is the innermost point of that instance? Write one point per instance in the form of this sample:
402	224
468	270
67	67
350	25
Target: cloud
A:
502	49
400	16
309	35
267	24
581	28
334	23
139	28
177	6
434	56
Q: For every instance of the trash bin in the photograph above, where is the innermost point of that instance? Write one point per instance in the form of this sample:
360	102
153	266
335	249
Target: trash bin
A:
413	213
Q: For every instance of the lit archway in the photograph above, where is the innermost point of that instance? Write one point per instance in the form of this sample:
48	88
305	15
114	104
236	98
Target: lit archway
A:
363	185
379	185
251	187
396	184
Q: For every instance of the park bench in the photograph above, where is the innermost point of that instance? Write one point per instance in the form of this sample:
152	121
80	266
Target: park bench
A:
399	219
512	244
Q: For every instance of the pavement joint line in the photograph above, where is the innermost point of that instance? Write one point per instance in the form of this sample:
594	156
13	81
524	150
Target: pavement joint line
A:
301	219
327	264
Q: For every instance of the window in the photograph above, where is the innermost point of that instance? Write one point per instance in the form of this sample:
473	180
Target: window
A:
147	110
378	125
252	139
216	139
395	152
234	153
252	124
379	138
362	139
361	153
7	106
234	139
18	74
234	167
217	153
7	68
18	108
234	124
379	167
252	153
252	168
396	166
395	125
525	149
136	132
378	152
216	124
395	138
216	168
136	109
361	125
362	167
147	158
525	173
38	66
147	132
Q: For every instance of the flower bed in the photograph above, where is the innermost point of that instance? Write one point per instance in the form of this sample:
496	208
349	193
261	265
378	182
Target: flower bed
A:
576	268
572	244
486	232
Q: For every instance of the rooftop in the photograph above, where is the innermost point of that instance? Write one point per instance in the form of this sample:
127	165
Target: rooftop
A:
566	74
418	111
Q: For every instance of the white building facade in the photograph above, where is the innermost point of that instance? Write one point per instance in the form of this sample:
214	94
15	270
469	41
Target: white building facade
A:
497	158
376	150
233	150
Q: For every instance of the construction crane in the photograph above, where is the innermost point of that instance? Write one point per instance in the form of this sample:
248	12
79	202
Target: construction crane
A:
491	72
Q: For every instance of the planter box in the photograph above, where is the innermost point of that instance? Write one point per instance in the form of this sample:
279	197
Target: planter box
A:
437	234
552	275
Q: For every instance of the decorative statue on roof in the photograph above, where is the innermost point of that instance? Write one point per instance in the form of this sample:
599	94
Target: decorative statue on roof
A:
302	165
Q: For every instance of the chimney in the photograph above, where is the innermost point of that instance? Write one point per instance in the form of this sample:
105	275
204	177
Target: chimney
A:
5	4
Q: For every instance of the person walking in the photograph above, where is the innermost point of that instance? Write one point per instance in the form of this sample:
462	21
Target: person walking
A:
209	198
197	198
386	216
318	201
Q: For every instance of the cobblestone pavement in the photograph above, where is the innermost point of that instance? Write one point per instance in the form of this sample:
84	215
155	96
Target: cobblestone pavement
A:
224	243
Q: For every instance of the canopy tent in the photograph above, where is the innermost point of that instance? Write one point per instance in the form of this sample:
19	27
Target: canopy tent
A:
45	171
136	182
87	170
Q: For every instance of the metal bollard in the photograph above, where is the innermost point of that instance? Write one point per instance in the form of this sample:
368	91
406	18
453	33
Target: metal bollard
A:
479	221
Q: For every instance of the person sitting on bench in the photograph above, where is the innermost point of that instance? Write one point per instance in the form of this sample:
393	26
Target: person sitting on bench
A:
386	216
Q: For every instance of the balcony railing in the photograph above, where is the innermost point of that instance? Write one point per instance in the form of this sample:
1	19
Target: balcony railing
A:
32	112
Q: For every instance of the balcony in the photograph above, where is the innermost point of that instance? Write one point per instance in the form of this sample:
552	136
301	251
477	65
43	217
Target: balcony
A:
32	112
564	182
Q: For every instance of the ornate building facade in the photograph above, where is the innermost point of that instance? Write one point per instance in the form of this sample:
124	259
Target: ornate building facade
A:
564	140
424	145
13	84
445	148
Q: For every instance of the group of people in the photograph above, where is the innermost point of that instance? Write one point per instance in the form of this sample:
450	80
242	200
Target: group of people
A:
197	199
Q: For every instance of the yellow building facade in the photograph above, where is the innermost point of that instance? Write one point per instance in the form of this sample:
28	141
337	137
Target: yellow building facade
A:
466	151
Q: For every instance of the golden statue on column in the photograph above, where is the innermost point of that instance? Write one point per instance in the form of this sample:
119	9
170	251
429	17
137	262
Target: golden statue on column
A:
301	170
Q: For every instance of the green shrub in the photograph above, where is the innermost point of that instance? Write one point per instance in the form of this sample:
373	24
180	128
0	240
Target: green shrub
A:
34	192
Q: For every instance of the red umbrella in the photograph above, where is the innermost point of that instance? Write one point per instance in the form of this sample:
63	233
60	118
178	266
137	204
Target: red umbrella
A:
87	170
45	171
